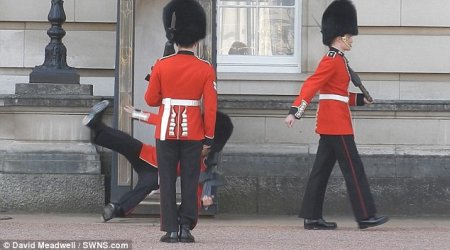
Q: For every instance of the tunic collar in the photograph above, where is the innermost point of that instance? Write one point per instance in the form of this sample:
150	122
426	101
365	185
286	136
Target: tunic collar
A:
337	51
185	52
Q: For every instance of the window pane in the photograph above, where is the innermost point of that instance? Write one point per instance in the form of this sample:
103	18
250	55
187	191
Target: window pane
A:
237	31
237	2
276	31
238	34
258	36
277	2
285	3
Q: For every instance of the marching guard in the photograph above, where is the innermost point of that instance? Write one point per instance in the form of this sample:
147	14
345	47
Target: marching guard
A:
334	123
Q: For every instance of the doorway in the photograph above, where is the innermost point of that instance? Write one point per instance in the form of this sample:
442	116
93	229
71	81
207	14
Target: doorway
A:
140	42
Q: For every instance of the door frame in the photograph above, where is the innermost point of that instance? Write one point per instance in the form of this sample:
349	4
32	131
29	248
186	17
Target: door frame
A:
121	172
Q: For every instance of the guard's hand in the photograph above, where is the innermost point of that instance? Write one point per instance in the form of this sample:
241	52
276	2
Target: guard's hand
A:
289	120
205	150
129	109
207	200
368	102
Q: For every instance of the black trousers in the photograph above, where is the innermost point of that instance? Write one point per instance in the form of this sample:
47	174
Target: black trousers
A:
129	147
187	153
343	149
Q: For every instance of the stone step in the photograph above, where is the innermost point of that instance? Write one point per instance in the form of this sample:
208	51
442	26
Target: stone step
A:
50	177
46	192
49	157
151	206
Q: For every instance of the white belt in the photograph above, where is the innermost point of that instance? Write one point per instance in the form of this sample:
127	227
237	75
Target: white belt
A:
180	102
333	97
168	103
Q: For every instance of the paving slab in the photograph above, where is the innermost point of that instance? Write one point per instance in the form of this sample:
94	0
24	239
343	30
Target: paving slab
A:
227	231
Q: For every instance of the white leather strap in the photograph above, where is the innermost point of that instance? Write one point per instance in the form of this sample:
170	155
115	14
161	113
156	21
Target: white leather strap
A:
168	103
141	116
165	119
333	97
180	102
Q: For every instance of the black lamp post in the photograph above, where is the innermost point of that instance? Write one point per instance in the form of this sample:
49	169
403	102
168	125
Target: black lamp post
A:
55	68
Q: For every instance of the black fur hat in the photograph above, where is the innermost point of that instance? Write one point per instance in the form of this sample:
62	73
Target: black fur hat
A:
190	22
222	132
339	19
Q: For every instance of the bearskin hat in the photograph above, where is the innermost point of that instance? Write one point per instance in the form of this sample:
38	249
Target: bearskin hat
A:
339	19
222	132
190	22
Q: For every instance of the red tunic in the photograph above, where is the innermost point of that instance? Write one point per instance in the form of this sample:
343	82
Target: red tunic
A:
183	76
330	77
148	152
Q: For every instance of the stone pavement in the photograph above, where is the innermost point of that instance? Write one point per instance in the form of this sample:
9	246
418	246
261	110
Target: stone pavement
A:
227	231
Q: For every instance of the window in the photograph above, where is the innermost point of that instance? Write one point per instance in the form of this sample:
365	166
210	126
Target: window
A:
258	36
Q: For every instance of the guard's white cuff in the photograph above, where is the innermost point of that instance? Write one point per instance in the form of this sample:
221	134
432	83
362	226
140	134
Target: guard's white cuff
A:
141	116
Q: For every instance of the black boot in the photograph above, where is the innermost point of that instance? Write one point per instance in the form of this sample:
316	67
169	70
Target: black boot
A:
372	221
170	237
185	234
95	114
319	224
111	211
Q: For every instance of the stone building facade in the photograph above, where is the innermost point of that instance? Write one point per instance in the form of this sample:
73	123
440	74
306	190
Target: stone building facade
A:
400	54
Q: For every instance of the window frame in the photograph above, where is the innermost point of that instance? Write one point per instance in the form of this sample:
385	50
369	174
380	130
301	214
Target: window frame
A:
262	64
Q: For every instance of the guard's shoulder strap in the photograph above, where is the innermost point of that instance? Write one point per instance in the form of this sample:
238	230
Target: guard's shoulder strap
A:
332	54
205	61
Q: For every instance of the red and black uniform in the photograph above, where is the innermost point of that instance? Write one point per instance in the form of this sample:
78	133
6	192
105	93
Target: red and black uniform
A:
148	152
334	125
143	160
183	86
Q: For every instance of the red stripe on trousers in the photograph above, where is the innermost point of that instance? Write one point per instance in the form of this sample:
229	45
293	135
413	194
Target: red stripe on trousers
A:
363	206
